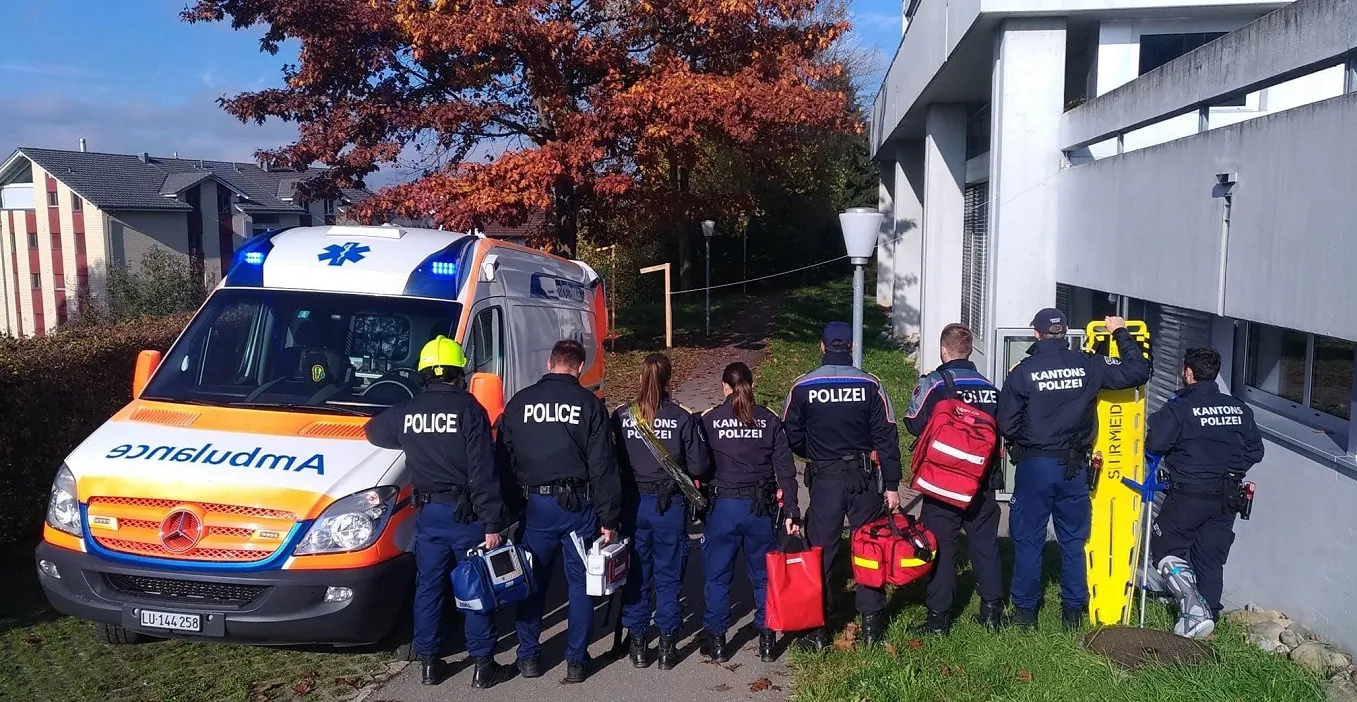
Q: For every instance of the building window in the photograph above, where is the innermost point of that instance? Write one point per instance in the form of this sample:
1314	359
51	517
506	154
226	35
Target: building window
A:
56	240
76	203
1306	370
1158	49
32	240
974	253
223	202
329	208
80	242
52	199
37	281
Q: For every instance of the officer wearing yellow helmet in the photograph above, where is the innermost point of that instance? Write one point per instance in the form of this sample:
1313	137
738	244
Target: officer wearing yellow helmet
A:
445	434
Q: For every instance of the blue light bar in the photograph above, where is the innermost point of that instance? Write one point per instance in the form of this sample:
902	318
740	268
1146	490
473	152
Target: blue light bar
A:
438	275
444	268
254	258
247	268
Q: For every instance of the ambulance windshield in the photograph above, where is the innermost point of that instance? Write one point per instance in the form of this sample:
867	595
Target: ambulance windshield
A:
302	350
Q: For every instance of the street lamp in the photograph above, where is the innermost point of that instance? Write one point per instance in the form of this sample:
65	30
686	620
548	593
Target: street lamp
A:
860	227
708	229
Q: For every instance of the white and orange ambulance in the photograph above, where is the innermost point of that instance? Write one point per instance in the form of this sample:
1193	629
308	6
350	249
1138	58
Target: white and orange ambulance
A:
236	498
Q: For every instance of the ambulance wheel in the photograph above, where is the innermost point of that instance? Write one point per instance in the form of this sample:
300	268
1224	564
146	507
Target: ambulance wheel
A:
115	635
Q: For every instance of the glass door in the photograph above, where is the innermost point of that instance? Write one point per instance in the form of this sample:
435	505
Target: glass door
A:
1013	345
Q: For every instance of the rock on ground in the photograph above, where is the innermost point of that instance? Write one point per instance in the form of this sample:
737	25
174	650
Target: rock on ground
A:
1290	638
1319	658
1341	690
1270	630
1246	617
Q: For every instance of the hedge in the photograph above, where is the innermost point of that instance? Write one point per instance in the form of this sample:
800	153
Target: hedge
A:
55	391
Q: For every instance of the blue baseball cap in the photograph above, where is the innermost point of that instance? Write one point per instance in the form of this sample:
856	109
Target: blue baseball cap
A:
1050	321
838	336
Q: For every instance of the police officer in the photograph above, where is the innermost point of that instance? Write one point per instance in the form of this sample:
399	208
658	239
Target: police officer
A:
752	462
981	518
836	415
556	438
1209	441
445	434
1046	413
654	512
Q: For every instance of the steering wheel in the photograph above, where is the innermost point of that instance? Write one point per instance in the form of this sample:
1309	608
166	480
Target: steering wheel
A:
404	378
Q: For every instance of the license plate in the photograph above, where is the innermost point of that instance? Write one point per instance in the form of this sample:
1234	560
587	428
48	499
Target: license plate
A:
169	620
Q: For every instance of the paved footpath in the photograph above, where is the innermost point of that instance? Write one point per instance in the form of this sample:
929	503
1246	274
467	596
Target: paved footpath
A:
695	679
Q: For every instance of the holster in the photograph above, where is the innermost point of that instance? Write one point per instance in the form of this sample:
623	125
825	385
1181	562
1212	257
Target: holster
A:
1235	498
570	493
464	512
665	496
859	472
765	499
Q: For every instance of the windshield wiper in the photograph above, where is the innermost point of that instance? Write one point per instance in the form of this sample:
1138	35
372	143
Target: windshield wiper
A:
183	401
298	407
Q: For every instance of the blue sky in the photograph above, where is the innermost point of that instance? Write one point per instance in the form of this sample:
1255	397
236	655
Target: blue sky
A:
129	76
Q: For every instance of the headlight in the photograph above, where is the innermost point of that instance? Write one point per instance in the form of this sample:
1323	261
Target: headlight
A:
351	523
63	509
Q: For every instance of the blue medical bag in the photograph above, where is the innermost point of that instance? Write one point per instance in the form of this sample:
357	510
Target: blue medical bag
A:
485	580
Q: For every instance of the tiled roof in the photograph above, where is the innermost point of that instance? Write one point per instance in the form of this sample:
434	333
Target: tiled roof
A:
126	182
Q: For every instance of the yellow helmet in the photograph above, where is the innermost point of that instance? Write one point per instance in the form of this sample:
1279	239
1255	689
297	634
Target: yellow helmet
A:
441	352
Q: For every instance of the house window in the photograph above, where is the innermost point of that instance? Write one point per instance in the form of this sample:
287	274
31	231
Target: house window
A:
52	199
223	202
329	208
974	253
1308	371
32	240
1158	49
37	281
76	203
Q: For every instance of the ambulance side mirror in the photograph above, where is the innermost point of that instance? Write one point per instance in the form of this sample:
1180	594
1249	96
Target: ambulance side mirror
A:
147	362
488	389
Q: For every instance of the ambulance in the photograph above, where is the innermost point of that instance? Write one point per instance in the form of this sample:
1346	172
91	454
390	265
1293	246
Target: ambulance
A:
235	498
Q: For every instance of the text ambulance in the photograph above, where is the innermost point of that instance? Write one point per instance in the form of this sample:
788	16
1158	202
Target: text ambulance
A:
236	498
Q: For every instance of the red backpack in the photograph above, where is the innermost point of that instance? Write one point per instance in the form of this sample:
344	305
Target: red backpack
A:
954	451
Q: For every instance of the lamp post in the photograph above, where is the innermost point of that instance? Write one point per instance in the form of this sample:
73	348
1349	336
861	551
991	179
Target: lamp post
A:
860	226
708	229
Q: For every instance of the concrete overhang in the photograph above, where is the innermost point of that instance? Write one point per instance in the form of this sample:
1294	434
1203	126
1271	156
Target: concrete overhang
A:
947	53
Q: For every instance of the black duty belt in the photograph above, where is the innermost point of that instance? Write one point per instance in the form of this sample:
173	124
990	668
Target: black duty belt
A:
745	492
656	488
552	490
1074	454
1196	490
450	496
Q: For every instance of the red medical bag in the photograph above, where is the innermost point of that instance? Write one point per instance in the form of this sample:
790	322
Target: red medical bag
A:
895	549
795	589
954	452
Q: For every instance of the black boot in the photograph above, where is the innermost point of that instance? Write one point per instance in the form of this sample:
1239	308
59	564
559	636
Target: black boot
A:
874	629
935	623
716	648
668	652
528	668
1073	617
767	640
639	655
1026	619
815	640
576	672
991	616
434	670
488	673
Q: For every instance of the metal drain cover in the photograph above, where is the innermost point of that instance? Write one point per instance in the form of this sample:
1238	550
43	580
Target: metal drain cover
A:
1135	647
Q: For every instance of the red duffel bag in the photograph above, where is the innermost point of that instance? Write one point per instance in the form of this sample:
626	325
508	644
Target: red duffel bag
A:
894	549
796	589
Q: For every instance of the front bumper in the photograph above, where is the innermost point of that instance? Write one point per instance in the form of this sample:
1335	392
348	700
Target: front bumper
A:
272	607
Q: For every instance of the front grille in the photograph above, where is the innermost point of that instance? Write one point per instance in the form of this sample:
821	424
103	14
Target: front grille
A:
184	591
231	533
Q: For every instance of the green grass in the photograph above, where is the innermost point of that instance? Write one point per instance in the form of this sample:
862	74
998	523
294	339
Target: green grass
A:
644	324
969	664
795	348
45	656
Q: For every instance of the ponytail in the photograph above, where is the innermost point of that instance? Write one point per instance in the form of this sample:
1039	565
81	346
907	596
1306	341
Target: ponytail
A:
655	372
741	382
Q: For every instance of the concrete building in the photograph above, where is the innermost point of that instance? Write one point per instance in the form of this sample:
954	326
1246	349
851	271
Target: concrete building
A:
1187	162
66	215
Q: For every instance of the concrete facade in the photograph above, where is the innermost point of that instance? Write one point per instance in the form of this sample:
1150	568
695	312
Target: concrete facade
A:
1206	190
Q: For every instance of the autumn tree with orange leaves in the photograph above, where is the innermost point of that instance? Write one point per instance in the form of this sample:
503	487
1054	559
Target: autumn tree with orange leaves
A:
583	109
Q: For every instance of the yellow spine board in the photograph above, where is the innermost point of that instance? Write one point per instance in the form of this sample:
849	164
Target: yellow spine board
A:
1114	538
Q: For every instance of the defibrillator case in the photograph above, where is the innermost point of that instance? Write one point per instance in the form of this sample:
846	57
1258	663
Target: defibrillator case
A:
485	580
605	566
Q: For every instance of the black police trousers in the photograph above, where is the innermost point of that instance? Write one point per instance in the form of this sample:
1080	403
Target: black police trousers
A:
1197	529
981	522
830	502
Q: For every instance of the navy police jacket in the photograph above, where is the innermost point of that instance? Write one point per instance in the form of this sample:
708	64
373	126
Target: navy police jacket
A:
445	434
1047	403
744	456
972	388
557	430
837	410
678	431
1204	435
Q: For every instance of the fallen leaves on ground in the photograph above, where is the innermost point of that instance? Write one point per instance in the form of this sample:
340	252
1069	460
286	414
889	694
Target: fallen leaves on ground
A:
354	682
760	685
891	650
916	644
306	685
33	640
720	688
1024	676
733	667
847	638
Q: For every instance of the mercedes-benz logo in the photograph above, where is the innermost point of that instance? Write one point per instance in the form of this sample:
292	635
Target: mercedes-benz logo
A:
181	531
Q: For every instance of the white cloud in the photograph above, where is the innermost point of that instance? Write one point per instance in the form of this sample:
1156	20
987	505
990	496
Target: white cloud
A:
43	69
